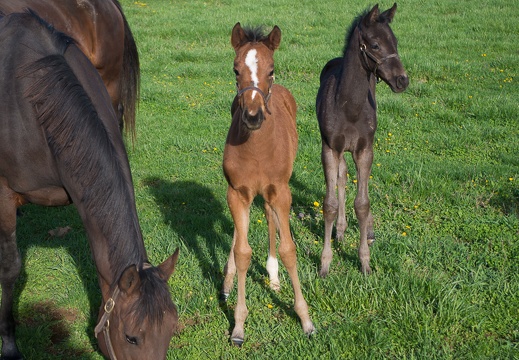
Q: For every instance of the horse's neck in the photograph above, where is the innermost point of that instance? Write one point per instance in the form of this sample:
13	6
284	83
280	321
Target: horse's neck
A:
356	82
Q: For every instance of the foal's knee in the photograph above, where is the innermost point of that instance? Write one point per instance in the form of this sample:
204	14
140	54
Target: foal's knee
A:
361	207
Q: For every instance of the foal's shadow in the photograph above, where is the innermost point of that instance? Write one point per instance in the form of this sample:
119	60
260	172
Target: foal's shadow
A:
194	213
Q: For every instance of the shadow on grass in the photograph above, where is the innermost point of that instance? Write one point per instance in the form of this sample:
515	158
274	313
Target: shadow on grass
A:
193	212
33	224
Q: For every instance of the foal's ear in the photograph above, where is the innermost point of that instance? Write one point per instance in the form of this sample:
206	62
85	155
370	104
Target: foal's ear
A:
273	39
389	14
372	16
130	280
168	266
237	36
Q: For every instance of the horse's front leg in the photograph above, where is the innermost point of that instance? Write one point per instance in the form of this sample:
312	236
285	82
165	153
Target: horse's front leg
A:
280	203
10	266
272	261
239	204
341	224
363	161
330	161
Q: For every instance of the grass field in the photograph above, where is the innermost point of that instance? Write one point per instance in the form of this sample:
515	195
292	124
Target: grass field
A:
444	192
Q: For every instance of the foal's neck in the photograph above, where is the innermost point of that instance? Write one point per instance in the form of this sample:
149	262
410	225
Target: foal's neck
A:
356	82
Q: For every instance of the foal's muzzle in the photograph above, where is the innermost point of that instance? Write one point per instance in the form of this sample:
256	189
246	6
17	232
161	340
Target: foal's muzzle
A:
253	121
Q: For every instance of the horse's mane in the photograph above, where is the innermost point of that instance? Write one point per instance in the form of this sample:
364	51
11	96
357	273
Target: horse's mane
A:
83	148
355	23
255	33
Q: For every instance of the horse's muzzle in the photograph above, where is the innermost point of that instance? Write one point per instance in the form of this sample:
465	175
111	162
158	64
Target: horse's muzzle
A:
253	121
402	82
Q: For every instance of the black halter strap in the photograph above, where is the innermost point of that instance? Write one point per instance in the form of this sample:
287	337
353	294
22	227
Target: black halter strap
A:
266	98
366	54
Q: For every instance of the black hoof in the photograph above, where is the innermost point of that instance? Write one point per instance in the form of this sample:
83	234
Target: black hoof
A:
238	342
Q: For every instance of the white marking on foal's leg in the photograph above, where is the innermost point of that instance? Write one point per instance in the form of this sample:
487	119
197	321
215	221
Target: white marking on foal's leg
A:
272	268
252	63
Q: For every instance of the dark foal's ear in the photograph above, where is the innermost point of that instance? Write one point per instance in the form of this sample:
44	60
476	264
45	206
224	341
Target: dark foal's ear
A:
237	36
388	14
130	280
273	39
372	16
168	266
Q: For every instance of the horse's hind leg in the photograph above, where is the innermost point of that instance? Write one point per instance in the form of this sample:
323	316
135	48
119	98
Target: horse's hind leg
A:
280	200
330	160
363	160
341	223
10	266
272	261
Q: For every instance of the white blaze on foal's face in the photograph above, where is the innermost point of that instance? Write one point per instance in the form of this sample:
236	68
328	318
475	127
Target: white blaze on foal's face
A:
252	63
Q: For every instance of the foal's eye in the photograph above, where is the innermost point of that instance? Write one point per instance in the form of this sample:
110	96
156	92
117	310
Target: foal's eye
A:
375	46
271	73
131	340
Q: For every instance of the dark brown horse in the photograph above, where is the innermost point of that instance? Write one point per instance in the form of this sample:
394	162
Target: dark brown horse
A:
60	143
347	114
101	31
258	157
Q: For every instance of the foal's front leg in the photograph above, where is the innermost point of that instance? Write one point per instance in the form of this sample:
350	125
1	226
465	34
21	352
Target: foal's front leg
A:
363	160
287	252
330	161
239	204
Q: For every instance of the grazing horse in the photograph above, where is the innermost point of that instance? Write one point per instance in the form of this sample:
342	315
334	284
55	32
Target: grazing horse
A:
101	31
60	144
259	153
347	115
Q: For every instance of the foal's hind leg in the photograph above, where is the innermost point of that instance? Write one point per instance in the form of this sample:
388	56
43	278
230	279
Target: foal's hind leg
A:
330	160
280	199
363	160
341	223
10	266
272	261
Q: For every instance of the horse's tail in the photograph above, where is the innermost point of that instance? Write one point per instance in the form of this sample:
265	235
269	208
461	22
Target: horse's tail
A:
130	77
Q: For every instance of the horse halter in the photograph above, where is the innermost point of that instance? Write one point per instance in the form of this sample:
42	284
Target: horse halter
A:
266	98
104	323
366	54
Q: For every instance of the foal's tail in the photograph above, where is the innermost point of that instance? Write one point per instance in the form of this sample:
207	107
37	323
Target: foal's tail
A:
130	77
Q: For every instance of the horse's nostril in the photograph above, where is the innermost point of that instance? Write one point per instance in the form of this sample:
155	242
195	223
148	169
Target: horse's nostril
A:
402	82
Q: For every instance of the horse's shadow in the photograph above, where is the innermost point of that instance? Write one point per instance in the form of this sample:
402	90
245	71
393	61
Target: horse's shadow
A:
193	212
53	321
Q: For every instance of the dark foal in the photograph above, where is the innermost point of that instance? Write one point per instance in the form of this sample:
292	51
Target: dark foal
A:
347	115
259	152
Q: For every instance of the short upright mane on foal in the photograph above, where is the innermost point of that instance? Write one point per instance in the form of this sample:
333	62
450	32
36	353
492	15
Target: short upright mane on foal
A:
254	34
351	29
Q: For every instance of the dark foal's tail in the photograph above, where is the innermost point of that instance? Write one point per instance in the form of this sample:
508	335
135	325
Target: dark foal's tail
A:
130	77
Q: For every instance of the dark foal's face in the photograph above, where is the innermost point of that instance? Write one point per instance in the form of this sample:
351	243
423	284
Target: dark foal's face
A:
254	70
381	43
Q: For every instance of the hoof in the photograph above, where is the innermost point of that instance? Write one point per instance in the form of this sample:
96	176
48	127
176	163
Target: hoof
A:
238	342
366	270
223	297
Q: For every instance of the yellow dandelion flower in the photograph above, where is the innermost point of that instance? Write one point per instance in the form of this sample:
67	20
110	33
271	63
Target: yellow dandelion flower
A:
259	221
404	234
270	306
316	203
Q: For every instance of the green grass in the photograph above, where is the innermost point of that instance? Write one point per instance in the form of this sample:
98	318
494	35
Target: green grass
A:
444	193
